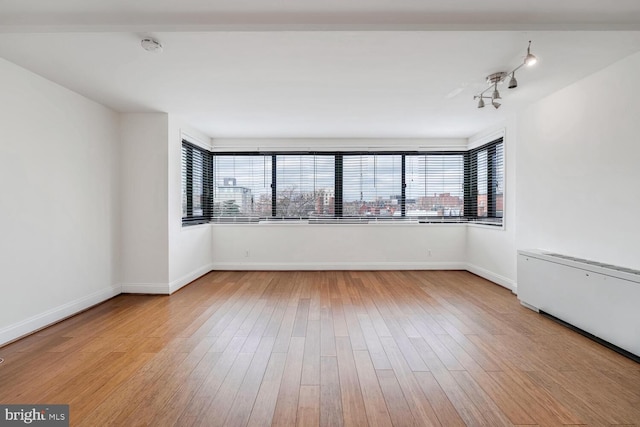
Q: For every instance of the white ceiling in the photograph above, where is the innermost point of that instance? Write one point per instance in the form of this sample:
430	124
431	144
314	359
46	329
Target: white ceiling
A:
331	69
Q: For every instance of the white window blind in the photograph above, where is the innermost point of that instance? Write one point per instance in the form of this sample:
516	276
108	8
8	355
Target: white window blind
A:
434	185
305	186
372	185
242	185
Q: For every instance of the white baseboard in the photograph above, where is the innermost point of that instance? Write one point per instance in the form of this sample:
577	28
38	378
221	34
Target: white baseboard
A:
165	288
28	326
493	277
146	288
338	266
188	278
529	306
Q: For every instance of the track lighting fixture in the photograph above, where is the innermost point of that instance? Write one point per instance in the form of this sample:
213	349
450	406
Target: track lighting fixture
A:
498	78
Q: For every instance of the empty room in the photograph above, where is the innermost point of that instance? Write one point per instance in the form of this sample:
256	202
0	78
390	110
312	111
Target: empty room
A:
336	213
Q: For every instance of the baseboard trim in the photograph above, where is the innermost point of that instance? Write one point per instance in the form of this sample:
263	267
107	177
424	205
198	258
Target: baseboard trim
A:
338	266
146	288
165	288
493	277
529	306
188	278
33	324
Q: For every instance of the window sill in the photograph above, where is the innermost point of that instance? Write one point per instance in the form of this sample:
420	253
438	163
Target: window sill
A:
486	226
306	223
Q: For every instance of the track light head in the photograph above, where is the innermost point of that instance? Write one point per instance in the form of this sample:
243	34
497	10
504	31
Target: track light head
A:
513	83
530	59
495	94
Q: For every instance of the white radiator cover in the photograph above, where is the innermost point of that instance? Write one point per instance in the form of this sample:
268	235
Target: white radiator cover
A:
601	299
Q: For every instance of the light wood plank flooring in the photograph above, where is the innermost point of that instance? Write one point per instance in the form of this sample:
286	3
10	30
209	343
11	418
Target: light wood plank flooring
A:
403	348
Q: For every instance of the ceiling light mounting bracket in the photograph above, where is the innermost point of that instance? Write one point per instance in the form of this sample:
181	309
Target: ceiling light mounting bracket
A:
496	77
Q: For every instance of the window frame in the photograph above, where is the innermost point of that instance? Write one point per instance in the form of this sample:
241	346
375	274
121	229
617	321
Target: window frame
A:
469	187
264	155
471	183
187	177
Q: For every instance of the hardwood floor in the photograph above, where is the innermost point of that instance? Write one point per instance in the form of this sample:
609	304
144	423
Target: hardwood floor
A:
396	348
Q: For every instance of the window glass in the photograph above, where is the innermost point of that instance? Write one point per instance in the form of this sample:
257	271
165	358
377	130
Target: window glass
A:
434	185
242	186
305	186
372	185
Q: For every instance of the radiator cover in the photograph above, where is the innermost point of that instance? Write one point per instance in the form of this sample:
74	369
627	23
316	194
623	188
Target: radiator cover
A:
601	299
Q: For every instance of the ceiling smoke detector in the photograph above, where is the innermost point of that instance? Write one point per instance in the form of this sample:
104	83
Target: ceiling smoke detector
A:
151	45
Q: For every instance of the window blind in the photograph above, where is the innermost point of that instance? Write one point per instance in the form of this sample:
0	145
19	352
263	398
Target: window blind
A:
484	182
305	186
435	185
196	184
242	186
465	186
372	185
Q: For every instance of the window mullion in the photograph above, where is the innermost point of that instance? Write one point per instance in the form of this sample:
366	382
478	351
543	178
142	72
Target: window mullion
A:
403	188
338	187
491	182
274	196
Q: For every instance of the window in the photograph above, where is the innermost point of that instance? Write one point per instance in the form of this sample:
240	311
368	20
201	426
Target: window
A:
305	186
372	185
484	177
435	185
481	170
431	186
242	186
196	184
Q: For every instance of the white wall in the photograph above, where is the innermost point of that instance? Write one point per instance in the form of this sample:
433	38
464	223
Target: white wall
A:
144	178
59	203
338	247
159	255
578	168
190	248
337	144
491	251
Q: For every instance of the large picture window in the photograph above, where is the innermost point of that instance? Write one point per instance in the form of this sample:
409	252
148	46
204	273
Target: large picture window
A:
242	186
458	186
372	185
435	185
305	186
